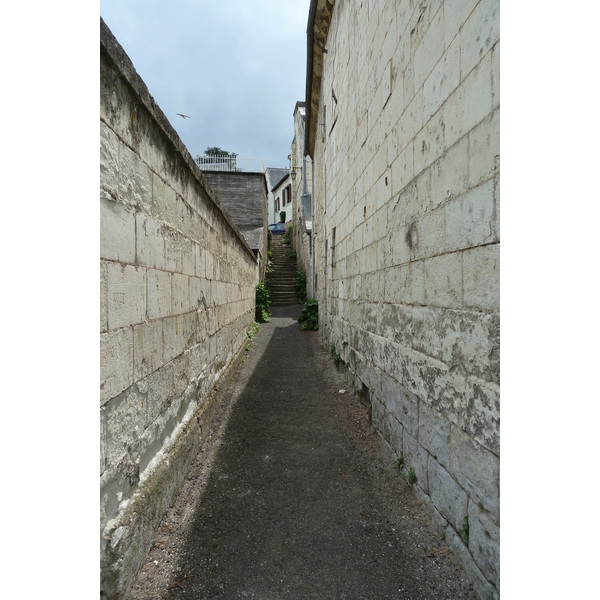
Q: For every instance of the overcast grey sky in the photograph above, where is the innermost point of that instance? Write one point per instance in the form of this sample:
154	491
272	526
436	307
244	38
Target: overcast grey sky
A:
237	68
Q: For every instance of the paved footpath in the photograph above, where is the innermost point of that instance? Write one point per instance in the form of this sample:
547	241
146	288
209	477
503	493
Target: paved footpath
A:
296	496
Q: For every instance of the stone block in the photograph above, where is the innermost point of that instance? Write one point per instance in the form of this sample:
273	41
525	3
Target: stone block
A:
116	363
416	275
402	165
400	242
103	297
368	263
124	425
481	271
456	12
150	246
126	295
379	415
416	457
470	219
479	34
182	377
443	80
418	329
199	261
434	434
447	496
109	163
179	334
397	284
147	348
159	294
135	181
478	469
423	376
484	542
479	408
429	143
430	234
484	588
117	232
160	394
383	186
179	252
210	265
401	403
198	355
468	341
469	104
180	294
449	174
200	291
164	201
444	281
484	150
430	50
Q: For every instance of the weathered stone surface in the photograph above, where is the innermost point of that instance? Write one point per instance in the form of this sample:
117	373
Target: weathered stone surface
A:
416	458
447	496
150	243
409	179
477	469
179	333
159	294
481	268
174	271
434	434
147	348
124	424
135	181
484	541
470	218
126	295
103	297
117	223
116	362
401	403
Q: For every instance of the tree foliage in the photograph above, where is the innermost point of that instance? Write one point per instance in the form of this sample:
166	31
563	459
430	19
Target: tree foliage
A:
216	151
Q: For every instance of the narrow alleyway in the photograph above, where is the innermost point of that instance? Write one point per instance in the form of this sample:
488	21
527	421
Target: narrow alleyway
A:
296	496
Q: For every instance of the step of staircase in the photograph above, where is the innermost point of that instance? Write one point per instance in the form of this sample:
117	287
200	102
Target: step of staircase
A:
282	278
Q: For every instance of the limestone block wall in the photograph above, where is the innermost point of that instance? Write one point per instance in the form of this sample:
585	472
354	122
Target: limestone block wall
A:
405	141
302	185
177	298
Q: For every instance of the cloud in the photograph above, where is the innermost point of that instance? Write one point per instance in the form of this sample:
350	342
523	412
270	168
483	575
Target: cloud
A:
237	68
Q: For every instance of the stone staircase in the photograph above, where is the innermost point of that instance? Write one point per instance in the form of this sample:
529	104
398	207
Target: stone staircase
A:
283	276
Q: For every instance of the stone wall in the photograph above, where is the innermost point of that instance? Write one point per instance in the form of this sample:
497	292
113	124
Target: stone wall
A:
244	196
177	299
404	135
301	199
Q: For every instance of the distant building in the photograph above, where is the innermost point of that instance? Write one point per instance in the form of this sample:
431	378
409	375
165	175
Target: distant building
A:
274	178
282	200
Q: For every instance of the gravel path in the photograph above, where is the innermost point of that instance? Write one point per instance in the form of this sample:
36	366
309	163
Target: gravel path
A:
295	495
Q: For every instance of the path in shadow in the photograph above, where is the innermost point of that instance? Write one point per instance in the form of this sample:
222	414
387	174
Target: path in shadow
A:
292	508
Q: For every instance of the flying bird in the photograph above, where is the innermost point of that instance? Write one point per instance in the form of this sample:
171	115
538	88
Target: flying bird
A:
183	116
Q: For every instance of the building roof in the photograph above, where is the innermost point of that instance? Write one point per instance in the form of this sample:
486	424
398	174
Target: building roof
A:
275	177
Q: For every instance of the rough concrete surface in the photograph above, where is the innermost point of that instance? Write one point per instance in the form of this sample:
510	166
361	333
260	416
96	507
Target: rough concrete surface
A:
295	495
